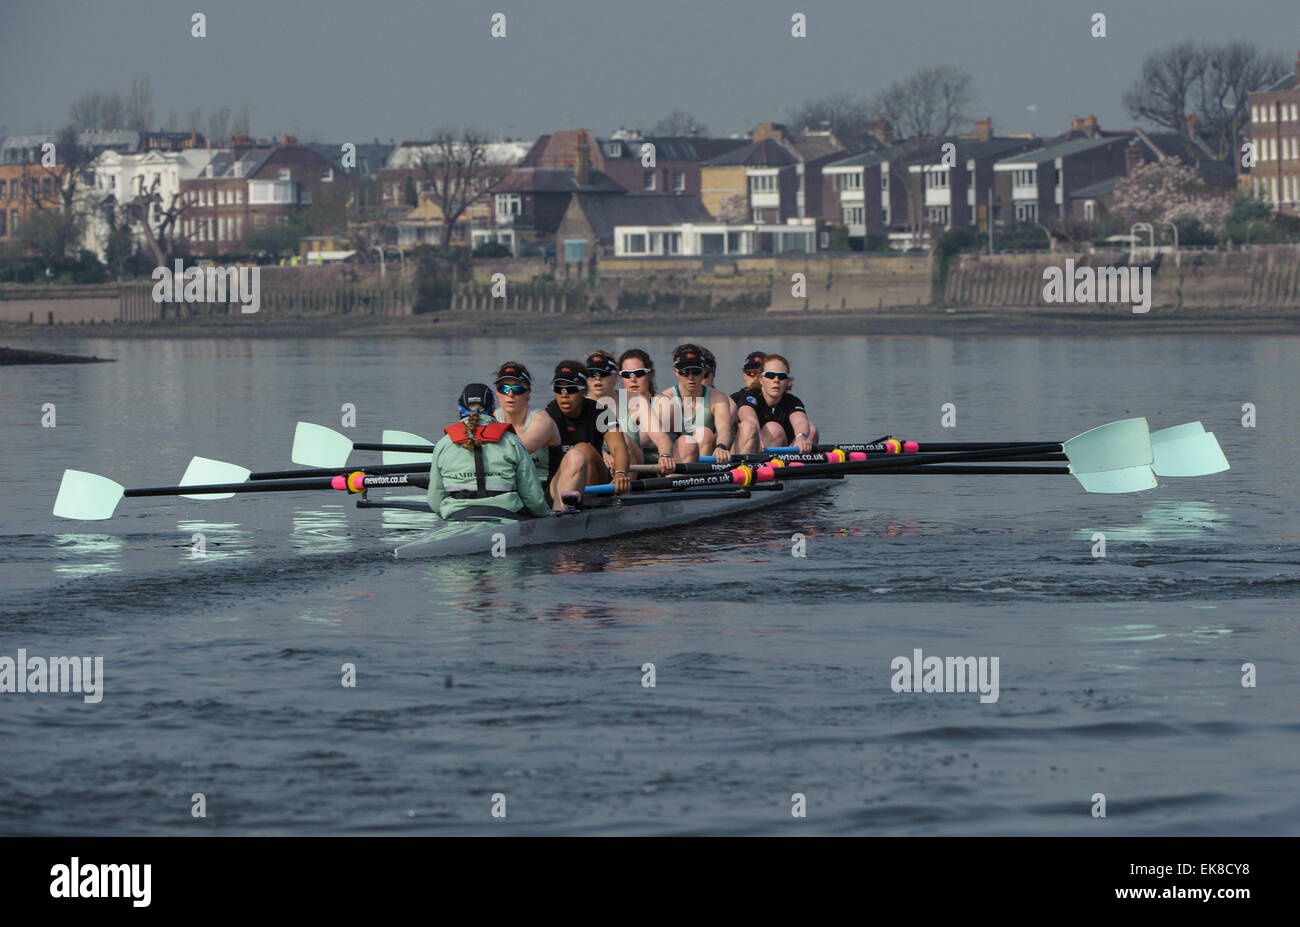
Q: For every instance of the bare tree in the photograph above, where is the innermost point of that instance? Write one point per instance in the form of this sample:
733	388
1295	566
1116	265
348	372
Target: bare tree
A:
1233	70
1161	92
218	123
847	116
677	123
932	102
138	115
456	173
173	125
243	123
194	120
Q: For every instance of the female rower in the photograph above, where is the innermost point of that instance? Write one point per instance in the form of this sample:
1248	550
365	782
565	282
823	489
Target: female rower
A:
480	466
711	371
696	419
585	428
636	411
513	386
774	413
746	429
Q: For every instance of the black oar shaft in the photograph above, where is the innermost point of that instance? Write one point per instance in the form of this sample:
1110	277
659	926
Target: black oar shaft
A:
907	461
306	472
368	482
723	467
402	448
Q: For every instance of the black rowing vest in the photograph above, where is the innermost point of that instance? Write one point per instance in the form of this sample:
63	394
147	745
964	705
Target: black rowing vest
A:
573	431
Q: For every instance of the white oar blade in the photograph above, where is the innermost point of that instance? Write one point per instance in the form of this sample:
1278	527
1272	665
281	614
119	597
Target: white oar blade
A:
1176	432
390	436
1128	479
318	446
1193	455
87	496
1117	446
203	471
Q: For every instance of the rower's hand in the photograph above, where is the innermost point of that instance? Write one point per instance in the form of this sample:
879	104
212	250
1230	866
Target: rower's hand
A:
721	455
622	483
667	465
804	444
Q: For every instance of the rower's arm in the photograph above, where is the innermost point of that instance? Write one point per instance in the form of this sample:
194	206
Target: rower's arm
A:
746	413
721	408
653	430
617	449
541	432
801	426
436	493
527	485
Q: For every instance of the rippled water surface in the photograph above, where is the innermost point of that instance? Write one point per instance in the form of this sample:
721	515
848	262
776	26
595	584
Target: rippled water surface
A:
522	676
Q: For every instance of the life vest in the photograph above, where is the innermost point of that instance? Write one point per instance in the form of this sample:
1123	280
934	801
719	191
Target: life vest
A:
489	434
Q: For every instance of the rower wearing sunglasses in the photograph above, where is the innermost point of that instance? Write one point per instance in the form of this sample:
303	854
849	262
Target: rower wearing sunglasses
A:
535	428
711	371
695	419
585	427
480	467
773	414
636	412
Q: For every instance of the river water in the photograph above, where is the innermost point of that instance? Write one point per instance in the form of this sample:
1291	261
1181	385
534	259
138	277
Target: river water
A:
515	685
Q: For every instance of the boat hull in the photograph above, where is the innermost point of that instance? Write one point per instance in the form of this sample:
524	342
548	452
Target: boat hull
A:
476	537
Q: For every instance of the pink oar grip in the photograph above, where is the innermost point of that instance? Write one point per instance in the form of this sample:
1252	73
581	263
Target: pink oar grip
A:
339	482
857	455
910	447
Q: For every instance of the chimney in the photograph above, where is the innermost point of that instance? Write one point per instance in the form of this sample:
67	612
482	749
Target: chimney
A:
983	130
772	130
881	131
582	169
1132	156
1087	126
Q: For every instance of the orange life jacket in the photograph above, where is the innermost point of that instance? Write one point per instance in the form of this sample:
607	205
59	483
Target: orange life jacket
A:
490	434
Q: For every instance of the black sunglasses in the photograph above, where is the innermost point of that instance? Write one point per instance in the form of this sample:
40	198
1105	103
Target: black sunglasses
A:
775	375
629	374
568	390
691	371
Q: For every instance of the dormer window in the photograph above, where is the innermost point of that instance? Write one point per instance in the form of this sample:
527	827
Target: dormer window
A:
613	149
284	173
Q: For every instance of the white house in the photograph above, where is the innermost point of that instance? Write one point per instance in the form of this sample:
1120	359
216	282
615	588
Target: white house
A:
126	176
691	239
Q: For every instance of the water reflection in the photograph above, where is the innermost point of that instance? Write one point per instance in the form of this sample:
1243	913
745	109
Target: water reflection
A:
213	541
321	531
102	551
1167	520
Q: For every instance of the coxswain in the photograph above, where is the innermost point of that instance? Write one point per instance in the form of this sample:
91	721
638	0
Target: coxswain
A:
480	467
774	413
586	427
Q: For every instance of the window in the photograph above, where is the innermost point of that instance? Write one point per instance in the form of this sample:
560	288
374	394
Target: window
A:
509	205
2	189
1056	176
13	222
304	197
1025	177
935	179
850	181
283	174
575	250
674	242
1026	212
649	180
937	215
679	181
613	149
760	215
633	244
1089	211
852	215
762	183
884	180
259	222
239	197
327	175
3	216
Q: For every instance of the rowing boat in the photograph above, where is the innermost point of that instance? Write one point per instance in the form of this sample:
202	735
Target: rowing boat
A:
600	519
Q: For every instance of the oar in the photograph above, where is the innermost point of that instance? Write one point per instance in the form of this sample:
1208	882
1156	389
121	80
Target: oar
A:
90	497
204	471
318	446
1113	458
1180	451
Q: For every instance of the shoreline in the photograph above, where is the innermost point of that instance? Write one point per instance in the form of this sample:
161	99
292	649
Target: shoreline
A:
992	322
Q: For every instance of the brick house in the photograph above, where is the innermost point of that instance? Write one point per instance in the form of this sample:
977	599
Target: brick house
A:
1275	131
1043	180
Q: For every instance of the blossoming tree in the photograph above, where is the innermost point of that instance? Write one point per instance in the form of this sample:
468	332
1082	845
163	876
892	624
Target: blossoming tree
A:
1167	191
